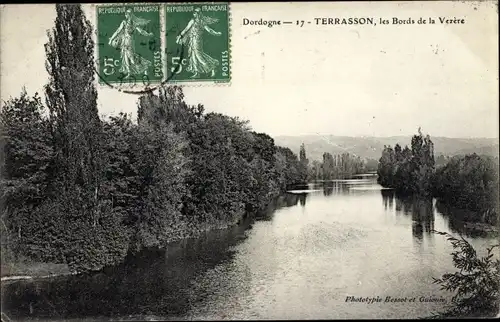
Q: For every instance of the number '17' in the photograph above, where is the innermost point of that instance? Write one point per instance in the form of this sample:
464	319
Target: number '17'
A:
300	23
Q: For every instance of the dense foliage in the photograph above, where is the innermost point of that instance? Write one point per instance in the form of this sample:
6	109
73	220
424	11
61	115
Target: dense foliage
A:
476	284
467	182
408	170
303	163
26	166
84	191
341	166
470	182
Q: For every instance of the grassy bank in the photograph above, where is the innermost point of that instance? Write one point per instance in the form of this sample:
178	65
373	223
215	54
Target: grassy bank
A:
23	270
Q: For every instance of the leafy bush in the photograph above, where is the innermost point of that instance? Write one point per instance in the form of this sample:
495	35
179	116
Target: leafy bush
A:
476	284
470	182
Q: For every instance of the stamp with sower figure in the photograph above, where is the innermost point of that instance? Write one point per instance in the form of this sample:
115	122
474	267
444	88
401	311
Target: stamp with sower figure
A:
129	44
200	31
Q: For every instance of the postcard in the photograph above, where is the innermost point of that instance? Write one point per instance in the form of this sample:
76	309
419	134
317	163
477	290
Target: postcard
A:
249	161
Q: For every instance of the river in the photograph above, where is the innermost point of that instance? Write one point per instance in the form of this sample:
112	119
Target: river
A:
316	246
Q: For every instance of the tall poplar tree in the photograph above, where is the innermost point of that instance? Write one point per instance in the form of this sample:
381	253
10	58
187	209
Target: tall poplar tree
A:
88	231
72	101
304	163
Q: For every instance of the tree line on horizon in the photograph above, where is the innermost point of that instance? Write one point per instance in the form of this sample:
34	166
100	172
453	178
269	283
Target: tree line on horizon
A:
85	191
333	166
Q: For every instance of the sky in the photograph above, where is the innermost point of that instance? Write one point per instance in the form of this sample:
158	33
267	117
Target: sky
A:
319	79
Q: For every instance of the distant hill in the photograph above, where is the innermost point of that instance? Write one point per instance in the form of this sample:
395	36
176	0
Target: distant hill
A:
371	147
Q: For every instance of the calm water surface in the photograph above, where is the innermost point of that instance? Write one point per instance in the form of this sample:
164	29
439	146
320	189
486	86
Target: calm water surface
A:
316	246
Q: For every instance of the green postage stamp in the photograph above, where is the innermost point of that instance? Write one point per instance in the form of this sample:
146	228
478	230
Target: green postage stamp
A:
129	44
197	42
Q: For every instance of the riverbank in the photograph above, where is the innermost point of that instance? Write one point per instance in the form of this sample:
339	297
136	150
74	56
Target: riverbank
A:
32	270
477	222
239	273
26	270
482	228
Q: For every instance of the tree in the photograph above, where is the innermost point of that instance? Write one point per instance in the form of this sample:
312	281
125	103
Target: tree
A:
470	182
72	101
265	174
336	167
316	171
441	160
476	285
328	167
88	233
223	176
408	171
398	153
303	162
422	163
122	182
371	165
25	170
291	173
385	167
160	161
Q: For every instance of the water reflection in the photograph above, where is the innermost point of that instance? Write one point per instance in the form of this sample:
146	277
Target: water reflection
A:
302	199
422	213
296	263
153	283
387	198
461	220
328	190
333	187
420	209
282	201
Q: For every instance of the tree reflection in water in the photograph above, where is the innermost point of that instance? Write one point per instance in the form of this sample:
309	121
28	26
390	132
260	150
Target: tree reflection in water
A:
335	187
151	283
461	221
283	201
420	209
422	212
328	189
302	199
387	198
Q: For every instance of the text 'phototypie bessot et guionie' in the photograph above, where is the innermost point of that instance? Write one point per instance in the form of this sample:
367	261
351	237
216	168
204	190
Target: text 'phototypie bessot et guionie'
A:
391	299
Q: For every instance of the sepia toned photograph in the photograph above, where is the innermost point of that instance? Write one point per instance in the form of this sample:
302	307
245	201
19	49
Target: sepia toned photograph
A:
249	161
